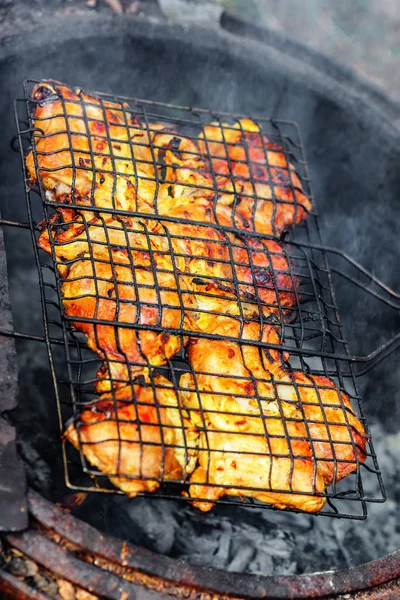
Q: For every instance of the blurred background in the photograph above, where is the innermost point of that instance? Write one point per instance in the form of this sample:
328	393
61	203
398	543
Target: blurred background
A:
363	34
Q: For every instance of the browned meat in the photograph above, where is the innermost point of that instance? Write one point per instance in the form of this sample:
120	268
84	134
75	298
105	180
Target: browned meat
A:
138	437
241	155
255	428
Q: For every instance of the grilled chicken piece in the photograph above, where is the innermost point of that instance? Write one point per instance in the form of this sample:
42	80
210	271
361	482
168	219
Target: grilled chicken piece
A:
112	271
337	434
114	292
138	437
276	436
197	276
241	155
96	153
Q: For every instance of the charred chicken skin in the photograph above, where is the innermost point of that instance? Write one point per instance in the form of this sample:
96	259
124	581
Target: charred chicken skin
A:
141	287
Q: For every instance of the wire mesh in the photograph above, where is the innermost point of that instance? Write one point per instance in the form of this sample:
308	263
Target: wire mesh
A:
217	365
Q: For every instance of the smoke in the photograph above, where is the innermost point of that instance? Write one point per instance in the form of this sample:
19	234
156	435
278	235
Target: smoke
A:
356	183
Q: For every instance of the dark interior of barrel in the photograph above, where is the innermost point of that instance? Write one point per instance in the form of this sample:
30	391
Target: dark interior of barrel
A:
353	162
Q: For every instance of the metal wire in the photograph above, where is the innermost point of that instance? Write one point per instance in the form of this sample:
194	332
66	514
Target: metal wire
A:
129	271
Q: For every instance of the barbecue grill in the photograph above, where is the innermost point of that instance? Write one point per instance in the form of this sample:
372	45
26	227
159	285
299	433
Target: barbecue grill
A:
323	349
315	329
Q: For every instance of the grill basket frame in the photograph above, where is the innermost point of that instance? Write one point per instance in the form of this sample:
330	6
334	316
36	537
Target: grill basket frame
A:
304	246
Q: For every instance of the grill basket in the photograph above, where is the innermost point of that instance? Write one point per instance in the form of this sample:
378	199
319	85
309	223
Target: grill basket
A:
308	343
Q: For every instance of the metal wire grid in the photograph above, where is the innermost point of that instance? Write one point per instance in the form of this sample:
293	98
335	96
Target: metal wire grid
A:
322	323
308	312
316	332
